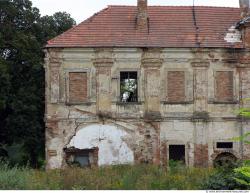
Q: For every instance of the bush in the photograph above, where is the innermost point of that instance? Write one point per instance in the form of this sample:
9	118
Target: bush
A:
224	179
123	177
13	178
243	174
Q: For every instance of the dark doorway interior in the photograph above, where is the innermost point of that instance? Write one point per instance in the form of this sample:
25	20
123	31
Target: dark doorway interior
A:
177	153
225	159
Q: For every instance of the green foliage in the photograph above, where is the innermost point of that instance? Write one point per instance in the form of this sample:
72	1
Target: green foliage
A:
224	179
13	178
243	175
123	177
243	138
245	113
23	34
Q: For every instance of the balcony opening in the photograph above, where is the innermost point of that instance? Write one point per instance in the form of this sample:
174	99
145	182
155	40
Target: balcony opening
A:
128	87
177	153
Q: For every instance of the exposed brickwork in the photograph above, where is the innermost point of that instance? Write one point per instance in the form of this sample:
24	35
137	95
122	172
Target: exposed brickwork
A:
148	150
176	86
200	155
52	128
78	84
164	154
224	86
247	37
142	16
245	81
246	152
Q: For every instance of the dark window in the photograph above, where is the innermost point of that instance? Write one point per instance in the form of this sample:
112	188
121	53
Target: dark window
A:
177	153
128	87
81	158
225	145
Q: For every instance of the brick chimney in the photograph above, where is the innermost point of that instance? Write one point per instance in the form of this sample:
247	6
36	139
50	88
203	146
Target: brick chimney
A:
244	6
142	15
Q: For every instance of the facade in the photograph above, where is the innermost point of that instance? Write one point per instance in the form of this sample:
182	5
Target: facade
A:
149	84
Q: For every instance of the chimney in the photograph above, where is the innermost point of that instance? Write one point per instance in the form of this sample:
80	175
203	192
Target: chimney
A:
244	7
142	15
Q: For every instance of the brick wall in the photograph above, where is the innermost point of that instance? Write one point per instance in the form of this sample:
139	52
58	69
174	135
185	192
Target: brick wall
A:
224	86
176	86
78	84
200	155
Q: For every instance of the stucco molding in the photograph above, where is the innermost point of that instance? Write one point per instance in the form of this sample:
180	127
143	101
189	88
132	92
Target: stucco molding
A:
200	63
152	62
103	62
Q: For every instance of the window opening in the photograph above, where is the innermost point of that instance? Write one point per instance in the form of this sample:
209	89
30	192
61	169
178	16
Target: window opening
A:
177	153
225	145
81	158
128	87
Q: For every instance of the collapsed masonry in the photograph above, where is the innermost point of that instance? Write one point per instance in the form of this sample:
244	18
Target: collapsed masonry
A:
149	85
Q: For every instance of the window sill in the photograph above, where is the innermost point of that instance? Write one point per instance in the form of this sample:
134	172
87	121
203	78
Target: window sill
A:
177	102
79	103
128	103
223	102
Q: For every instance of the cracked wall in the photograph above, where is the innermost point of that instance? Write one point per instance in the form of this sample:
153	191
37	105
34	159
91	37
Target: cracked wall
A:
141	132
110	140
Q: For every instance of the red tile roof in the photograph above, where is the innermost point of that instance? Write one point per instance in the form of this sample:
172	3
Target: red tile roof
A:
169	26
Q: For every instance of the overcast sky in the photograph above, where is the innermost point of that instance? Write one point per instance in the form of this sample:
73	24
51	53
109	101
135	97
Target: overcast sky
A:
82	9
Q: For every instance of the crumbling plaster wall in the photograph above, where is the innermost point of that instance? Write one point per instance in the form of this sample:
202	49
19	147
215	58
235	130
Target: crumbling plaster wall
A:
152	123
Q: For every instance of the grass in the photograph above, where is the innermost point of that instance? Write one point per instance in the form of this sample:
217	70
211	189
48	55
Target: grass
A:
138	177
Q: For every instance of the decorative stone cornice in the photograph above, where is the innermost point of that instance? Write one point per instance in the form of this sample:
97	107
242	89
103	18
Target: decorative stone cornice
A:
230	60
55	64
103	62
54	56
200	63
243	65
152	62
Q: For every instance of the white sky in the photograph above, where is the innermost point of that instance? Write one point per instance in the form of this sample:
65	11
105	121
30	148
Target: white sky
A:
82	9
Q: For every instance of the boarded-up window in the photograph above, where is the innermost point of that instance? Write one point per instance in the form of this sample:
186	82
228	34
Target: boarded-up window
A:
224	86
78	85
176	86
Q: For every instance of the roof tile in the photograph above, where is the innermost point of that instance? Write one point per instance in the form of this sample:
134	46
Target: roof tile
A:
169	26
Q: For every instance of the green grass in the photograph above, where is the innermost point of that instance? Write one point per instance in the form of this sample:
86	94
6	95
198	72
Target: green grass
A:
138	177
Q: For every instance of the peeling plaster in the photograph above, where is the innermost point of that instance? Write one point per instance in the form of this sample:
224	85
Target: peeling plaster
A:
128	136
109	139
233	35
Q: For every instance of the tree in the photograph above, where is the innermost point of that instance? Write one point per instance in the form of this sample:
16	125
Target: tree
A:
243	173
23	33
245	113
51	26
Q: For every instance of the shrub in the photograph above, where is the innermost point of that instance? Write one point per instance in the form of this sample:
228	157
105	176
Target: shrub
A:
13	178
243	174
123	177
224	179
